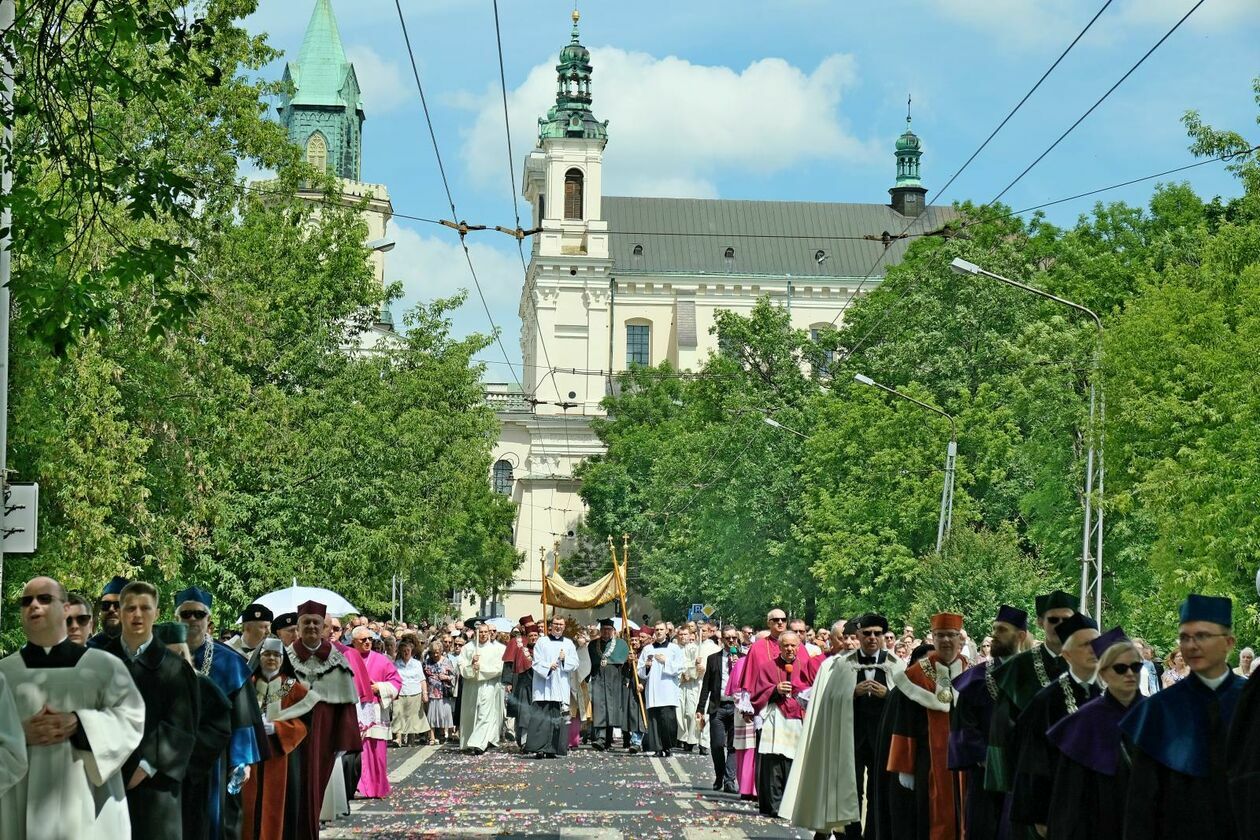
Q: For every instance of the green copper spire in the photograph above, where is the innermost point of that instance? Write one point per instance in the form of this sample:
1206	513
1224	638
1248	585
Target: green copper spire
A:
324	115
571	115
908	154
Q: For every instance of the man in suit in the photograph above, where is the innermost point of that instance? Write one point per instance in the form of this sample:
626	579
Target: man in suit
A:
720	708
868	707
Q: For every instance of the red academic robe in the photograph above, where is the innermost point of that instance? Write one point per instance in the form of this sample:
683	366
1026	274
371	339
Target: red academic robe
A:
333	727
266	792
920	747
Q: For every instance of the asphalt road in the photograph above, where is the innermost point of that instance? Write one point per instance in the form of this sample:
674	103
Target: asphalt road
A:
439	793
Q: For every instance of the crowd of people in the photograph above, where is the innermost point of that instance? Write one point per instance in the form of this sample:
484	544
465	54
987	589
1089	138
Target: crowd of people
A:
116	724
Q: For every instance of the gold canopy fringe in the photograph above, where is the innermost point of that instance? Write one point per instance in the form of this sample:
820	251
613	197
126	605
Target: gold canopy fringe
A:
557	592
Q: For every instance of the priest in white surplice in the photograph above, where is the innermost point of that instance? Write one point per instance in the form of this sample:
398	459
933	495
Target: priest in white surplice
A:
555	657
689	691
821	790
12	740
481	699
82	715
661	665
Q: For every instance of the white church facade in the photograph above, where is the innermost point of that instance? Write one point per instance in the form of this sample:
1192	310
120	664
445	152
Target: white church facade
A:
617	281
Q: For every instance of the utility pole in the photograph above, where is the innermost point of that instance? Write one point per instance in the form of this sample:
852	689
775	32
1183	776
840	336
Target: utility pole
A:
7	15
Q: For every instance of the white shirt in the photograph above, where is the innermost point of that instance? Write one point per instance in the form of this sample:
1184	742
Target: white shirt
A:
1213	682
553	685
662	678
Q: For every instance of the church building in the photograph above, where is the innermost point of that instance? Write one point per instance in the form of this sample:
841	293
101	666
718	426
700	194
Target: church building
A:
615	281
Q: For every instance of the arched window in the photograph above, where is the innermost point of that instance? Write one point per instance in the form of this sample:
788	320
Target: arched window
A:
638	343
729	257
636	257
317	152
502	477
573	194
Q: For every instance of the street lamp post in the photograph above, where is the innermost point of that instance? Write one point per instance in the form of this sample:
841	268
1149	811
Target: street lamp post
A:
1091	566
946	518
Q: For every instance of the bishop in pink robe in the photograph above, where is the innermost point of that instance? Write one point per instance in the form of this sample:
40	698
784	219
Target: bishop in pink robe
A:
378	684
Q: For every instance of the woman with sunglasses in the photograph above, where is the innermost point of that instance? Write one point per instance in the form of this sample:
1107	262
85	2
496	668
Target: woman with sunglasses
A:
1092	776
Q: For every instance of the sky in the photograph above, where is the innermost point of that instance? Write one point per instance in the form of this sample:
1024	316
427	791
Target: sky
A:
790	100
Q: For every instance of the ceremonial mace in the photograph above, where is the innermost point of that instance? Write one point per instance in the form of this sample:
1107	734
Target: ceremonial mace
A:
619	577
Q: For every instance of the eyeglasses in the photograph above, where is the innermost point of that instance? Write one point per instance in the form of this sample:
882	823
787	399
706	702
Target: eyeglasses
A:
80	620
1199	639
44	598
193	615
777	618
1122	668
1053	619
872	634
109	606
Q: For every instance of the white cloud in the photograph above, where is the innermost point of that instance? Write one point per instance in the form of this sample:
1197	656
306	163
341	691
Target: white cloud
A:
1164	13
431	267
677	125
381	81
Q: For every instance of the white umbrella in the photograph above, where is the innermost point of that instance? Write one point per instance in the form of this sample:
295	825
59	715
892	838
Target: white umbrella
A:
287	600
501	625
617	624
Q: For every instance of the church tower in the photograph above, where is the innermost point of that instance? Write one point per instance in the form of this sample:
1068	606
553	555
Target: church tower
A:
565	303
324	115
908	192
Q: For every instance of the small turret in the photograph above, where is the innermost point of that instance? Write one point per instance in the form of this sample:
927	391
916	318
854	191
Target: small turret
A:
908	192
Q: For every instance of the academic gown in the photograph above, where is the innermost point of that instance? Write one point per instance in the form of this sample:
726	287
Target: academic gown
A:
73	790
1178	786
1091	775
969	728
172	702
1017	680
609	683
1243	755
12	741
518	675
1038	758
214	731
230	673
896	809
920	747
481	701
272	795
821	790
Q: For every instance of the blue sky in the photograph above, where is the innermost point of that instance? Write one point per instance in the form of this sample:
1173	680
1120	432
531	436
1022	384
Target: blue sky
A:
791	100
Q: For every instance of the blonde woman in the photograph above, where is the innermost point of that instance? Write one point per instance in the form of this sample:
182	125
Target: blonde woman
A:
411	718
1091	778
1175	669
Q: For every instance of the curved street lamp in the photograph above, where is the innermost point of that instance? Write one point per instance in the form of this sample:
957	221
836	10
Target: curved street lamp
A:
1091	565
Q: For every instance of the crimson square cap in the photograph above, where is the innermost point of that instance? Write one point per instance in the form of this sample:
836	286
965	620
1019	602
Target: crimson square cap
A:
312	608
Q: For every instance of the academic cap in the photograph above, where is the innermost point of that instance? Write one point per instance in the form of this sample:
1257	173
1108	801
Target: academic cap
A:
947	621
194	593
171	632
283	621
607	622
312	608
115	586
850	628
1114	636
526	620
871	619
1073	623
1013	616
273	645
257	612
1208	608
921	651
1056	600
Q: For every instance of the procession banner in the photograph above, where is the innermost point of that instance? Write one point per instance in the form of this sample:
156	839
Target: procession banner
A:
560	593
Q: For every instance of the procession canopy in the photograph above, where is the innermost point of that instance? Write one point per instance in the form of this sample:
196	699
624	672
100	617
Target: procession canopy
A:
557	592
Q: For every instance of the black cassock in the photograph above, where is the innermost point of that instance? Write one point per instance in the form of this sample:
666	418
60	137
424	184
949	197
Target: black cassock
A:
1178	786
171	704
893	811
214	731
1038	758
1092	773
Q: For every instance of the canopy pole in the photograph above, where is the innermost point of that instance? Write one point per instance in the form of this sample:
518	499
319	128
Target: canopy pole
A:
542	569
625	612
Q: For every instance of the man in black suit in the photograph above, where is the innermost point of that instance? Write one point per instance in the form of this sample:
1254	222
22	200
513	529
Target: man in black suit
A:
721	710
868	707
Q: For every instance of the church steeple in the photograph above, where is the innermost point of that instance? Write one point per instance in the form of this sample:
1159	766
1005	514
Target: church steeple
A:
908	191
571	115
324	115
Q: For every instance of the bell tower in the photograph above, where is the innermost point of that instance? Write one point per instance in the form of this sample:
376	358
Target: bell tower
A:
908	192
567	287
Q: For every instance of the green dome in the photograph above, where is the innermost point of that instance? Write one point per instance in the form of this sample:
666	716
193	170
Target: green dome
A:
908	142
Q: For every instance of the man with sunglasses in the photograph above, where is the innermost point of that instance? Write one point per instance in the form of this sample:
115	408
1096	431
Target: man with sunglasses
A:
1185	756
79	624
1038	758
108	617
1017	680
231	673
869	699
81	715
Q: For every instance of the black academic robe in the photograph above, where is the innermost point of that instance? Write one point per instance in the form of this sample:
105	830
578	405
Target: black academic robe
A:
171	706
1178	786
895	809
1018	680
609	685
1038	758
1243	757
214	731
970	723
868	711
1091	775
